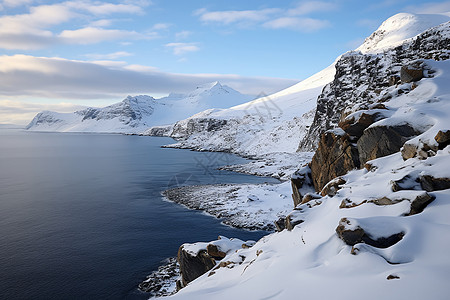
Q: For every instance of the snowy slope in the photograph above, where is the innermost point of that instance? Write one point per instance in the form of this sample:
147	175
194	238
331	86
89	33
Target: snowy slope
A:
312	261
278	122
138	113
399	28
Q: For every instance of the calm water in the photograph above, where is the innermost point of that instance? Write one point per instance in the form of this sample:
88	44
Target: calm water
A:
81	215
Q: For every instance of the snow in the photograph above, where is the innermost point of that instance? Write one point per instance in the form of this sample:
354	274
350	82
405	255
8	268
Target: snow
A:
311	260
398	28
136	114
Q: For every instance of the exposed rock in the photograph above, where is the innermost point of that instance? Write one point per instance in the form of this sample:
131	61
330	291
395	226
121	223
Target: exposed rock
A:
299	179
390	277
419	203
443	138
430	183
411	73
214	252
332	187
348	235
379	141
335	156
352	235
191	266
308	197
386	201
280	224
406	183
293	219
355	126
160	282
423	151
347	203
393	80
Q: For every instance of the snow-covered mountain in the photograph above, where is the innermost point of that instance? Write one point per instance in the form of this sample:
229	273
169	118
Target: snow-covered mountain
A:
276	123
370	211
137	113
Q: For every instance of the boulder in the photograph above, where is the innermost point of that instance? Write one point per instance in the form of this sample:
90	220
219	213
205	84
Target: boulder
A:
443	138
430	183
193	266
355	126
419	203
352	235
335	156
332	187
215	252
280	224
379	141
309	196
423	151
300	179
293	219
411	73
407	182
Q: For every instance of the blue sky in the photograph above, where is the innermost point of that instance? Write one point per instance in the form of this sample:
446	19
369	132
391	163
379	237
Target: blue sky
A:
62	54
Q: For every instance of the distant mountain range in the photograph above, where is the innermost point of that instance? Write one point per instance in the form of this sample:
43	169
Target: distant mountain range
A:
137	113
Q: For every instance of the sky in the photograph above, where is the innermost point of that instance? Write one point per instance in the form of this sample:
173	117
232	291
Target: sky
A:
63	55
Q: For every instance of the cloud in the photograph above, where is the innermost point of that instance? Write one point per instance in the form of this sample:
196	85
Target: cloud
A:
275	18
33	30
182	48
161	26
308	7
110	56
91	35
183	34
430	8
233	16
15	3
21	113
299	24
57	78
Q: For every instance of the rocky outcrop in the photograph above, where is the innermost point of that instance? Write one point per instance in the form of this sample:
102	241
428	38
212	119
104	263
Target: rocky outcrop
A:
380	141
361	78
335	156
443	138
352	235
331	188
430	183
193	266
355	125
300	180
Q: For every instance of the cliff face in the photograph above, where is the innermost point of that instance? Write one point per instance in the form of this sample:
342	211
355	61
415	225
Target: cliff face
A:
362	79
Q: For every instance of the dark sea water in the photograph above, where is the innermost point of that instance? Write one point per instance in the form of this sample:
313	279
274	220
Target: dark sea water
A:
81	216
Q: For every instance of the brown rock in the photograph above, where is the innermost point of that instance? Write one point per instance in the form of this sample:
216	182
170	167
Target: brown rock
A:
358	235
411	73
443	138
293	219
406	183
215	252
419	203
191	266
308	197
335	156
390	277
408	151
300	179
280	224
430	183
355	128
332	187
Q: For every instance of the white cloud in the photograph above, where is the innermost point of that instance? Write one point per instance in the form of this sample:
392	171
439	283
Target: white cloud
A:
33	30
161	26
21	113
275	18
430	8
110	56
15	3
90	35
305	8
298	24
23	75
234	16
182	48
183	34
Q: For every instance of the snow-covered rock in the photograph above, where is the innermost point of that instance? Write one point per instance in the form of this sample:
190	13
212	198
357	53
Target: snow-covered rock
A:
137	113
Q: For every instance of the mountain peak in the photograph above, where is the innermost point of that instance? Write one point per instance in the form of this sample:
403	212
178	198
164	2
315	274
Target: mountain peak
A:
399	28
